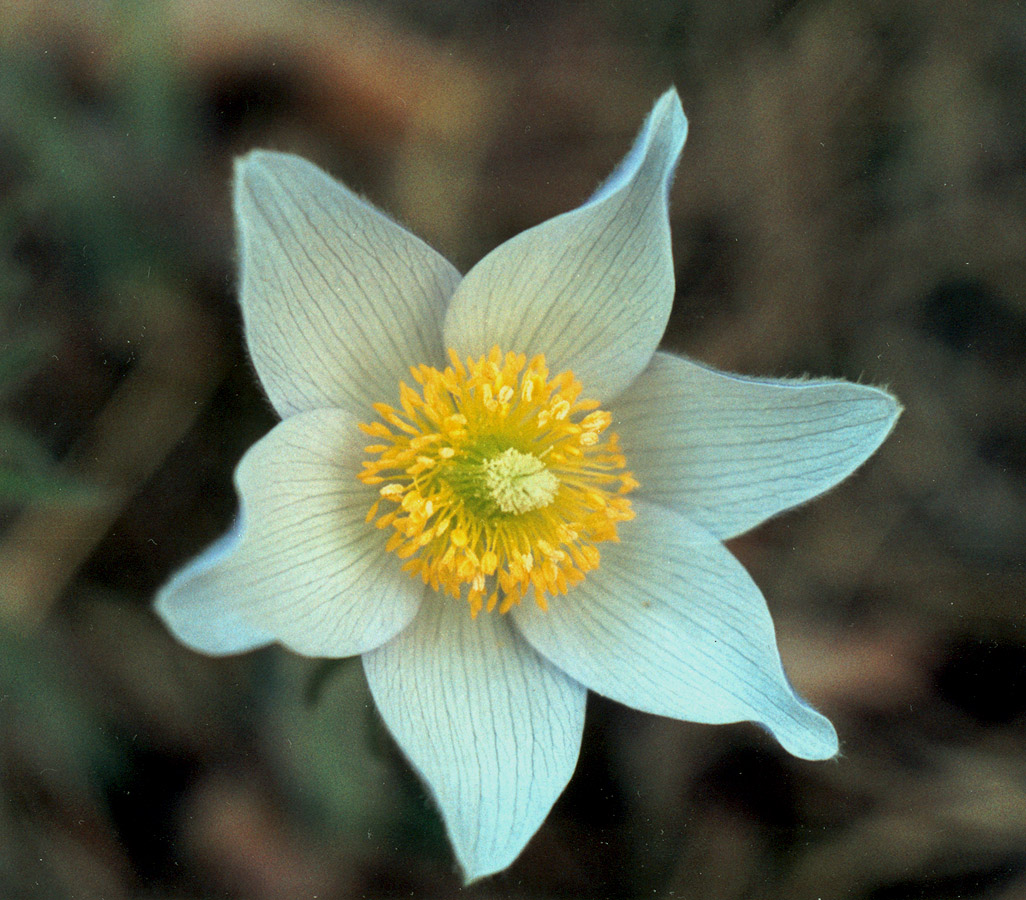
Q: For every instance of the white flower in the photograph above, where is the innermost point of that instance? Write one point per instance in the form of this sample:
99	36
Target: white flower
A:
403	523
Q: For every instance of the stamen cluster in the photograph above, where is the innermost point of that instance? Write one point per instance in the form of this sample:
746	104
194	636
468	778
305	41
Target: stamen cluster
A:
496	478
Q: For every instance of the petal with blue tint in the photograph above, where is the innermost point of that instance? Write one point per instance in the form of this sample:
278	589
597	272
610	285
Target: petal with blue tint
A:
671	624
592	288
729	452
338	300
208	623
306	568
493	729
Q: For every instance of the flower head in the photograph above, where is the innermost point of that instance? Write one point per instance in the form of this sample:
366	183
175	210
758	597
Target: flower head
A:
500	493
498	479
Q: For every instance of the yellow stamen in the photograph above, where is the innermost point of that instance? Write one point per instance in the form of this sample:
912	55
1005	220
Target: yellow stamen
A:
496	478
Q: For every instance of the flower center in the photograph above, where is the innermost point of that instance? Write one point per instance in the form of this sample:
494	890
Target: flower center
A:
519	482
496	479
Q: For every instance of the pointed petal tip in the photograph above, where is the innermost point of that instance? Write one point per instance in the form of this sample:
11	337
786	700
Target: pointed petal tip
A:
475	866
892	404
258	156
730	451
248	171
663	134
810	736
887	409
206	629
476	870
213	628
255	164
260	169
491	727
245	163
668	108
592	289
657	148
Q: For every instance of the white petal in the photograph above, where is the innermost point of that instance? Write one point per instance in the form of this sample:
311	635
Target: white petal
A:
208	624
729	452
592	288
338	300
306	568
491	727
671	624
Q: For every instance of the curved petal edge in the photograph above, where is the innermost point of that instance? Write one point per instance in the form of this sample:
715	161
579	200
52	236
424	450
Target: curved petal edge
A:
304	568
492	728
213	627
729	452
671	624
592	288
338	300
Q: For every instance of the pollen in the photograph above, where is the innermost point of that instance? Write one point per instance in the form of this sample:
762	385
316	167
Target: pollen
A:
495	478
519	482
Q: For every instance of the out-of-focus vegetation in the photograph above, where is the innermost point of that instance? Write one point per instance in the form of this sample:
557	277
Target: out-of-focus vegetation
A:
852	202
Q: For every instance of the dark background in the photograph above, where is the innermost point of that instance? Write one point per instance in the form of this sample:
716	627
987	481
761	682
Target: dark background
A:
851	202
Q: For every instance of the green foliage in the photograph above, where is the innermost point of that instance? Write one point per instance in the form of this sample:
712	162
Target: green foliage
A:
29	475
321	718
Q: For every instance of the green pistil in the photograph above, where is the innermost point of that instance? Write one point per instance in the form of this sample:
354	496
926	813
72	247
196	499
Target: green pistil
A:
501	481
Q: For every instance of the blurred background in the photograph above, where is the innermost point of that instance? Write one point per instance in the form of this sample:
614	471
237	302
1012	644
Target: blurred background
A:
852	203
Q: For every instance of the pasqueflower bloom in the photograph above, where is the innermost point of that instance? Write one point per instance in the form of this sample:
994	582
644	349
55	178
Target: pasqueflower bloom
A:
500	493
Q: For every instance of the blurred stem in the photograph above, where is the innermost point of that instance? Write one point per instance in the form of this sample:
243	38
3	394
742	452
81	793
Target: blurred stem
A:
152	409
